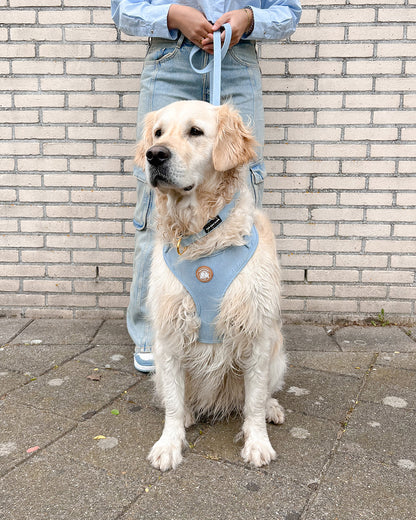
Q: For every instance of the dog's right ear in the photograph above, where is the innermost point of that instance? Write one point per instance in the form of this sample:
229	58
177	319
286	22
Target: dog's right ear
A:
146	141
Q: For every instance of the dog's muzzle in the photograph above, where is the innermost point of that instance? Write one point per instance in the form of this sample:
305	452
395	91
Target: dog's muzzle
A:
158	157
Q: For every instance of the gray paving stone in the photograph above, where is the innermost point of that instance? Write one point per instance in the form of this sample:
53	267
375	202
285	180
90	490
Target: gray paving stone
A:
67	390
208	490
142	395
23	427
59	331
35	359
303	444
374	339
11	380
397	360
118	357
411	332
386	383
322	394
308	337
218	441
113	332
381	433
371	474
346	363
129	437
355	489
9	327
54	487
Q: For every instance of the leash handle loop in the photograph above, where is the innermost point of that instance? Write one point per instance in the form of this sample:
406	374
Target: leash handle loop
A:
214	65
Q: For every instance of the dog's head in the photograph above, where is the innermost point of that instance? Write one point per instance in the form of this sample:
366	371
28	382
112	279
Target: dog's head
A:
185	142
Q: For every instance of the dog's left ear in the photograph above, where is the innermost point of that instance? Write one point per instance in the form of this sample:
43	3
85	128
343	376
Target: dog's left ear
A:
146	141
234	144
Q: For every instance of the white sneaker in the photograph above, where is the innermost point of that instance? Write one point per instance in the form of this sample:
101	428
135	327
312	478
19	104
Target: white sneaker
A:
143	361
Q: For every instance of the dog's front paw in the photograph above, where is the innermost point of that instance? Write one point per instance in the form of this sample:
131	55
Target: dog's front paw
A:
166	454
275	413
258	452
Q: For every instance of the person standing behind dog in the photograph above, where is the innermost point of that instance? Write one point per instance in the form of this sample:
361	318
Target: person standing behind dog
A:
173	28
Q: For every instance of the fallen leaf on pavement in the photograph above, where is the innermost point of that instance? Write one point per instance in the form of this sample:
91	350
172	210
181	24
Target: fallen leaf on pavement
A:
94	377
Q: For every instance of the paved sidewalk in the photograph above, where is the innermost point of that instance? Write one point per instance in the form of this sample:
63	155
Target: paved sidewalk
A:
77	421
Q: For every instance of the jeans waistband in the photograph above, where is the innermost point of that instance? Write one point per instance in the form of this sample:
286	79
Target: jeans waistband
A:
182	40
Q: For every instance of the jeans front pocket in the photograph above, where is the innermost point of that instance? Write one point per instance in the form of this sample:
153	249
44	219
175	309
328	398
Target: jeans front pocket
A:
158	52
245	53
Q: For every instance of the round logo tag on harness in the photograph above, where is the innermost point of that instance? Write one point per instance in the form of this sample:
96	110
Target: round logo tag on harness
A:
204	274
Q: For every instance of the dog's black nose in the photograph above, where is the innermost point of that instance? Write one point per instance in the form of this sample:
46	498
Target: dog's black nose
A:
156	155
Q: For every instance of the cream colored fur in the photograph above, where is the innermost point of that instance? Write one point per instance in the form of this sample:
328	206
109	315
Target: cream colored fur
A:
203	173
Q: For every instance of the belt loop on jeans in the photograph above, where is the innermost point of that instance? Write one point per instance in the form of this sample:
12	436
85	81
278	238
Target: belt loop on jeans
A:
178	45
180	41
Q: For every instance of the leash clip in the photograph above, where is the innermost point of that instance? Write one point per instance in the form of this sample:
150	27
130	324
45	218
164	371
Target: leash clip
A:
178	247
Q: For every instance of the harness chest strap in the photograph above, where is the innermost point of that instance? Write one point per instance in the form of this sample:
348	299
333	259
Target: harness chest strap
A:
207	279
212	224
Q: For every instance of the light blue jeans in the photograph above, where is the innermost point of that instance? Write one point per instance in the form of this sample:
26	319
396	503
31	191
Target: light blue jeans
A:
168	77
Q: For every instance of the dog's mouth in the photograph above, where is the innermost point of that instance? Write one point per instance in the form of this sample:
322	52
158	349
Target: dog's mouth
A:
159	179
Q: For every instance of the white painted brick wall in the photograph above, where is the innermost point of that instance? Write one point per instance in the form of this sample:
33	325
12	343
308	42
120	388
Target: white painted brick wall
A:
340	101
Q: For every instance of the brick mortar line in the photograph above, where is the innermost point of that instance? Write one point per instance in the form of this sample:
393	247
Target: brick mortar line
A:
373	14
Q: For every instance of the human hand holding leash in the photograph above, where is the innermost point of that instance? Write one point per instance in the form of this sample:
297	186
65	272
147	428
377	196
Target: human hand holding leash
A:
239	19
192	24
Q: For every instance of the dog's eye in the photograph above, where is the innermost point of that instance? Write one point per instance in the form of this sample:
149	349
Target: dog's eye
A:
158	132
195	131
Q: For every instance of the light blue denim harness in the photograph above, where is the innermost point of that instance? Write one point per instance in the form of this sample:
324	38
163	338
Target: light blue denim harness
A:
207	295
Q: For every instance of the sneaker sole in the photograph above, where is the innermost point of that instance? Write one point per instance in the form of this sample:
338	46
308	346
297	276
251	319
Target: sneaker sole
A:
143	368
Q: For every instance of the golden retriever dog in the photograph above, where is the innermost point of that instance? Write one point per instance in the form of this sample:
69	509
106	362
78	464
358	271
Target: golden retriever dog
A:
195	155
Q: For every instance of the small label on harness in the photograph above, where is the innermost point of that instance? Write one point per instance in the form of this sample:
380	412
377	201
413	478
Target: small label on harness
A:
204	274
212	224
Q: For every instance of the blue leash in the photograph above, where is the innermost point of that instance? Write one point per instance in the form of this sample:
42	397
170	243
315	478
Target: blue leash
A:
214	66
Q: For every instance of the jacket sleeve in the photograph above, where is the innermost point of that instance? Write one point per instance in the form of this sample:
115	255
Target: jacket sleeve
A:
275	20
140	18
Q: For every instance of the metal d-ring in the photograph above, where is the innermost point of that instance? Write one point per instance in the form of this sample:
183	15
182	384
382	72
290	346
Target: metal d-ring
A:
178	247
